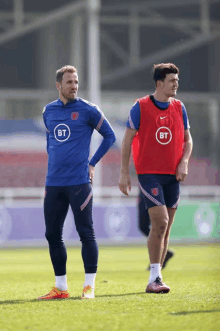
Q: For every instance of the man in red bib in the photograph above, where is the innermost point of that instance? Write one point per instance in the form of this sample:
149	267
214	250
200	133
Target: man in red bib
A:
158	134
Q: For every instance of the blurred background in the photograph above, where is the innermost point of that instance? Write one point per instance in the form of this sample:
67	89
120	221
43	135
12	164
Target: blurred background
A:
113	44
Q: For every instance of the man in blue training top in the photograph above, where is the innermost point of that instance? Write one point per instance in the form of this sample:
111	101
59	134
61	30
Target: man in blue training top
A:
70	122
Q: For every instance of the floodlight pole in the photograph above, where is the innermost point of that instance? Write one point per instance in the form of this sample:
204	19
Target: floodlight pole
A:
93	60
205	19
76	46
18	12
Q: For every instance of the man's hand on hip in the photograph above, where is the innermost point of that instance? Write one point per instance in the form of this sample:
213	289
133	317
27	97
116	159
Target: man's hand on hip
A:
91	173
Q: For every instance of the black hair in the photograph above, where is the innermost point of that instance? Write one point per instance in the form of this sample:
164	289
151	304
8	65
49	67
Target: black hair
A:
162	69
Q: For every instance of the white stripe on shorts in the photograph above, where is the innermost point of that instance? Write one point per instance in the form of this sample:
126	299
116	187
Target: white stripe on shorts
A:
158	203
176	204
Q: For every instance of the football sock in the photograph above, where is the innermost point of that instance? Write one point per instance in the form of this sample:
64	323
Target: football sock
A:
155	271
90	280
61	282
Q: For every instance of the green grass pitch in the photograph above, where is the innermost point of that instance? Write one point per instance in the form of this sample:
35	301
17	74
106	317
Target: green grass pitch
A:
121	302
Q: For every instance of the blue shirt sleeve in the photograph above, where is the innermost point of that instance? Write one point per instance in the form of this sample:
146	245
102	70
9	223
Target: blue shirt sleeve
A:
134	117
101	124
185	117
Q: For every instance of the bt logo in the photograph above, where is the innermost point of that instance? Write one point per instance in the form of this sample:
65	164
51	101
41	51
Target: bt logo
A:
164	135
62	132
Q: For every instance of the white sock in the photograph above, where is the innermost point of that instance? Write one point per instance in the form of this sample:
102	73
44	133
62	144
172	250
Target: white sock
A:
61	282
155	271
90	280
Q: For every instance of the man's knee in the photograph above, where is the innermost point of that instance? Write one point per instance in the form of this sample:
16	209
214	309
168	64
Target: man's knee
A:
159	220
53	238
163	224
160	227
86	235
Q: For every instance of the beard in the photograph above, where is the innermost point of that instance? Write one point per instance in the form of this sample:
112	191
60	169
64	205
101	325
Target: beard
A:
174	92
68	96
171	94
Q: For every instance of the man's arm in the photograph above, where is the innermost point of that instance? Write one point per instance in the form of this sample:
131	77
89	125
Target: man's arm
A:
108	140
101	124
124	180
182	169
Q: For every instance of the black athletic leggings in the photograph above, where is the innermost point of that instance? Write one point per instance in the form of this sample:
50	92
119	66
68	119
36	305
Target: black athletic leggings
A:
56	204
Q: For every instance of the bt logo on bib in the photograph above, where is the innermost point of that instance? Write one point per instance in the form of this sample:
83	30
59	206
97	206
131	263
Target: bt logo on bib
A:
163	135
62	132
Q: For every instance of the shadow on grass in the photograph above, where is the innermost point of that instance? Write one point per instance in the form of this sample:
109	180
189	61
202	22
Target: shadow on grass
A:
194	312
117	295
11	302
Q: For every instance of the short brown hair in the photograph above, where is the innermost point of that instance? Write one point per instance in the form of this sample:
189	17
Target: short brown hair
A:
60	72
162	69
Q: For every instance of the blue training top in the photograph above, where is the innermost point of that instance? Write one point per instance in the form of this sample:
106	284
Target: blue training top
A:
69	130
135	114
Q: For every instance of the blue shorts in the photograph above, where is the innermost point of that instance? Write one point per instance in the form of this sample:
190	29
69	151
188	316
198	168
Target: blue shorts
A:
159	190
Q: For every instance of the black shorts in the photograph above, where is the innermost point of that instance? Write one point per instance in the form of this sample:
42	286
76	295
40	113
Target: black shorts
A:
159	190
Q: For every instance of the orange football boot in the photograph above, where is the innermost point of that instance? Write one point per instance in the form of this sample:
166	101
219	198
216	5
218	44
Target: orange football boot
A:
55	294
88	292
157	287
